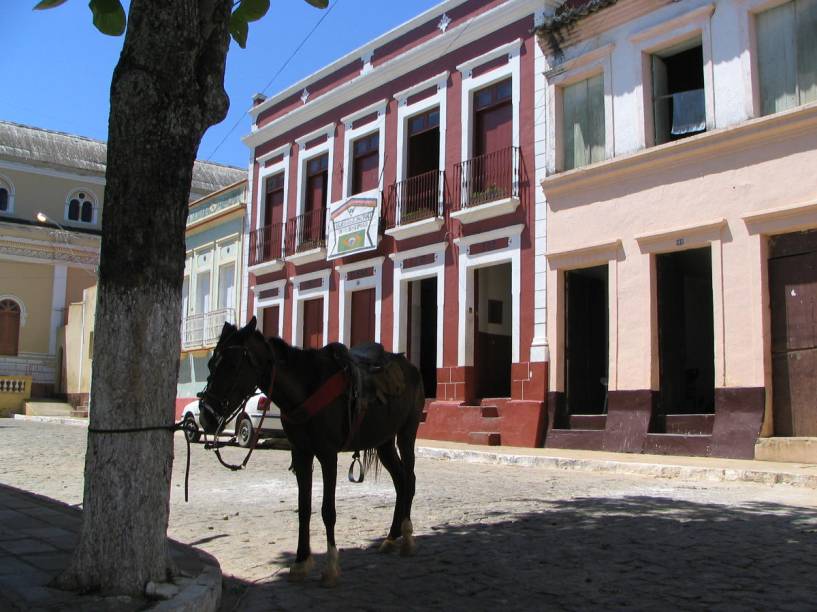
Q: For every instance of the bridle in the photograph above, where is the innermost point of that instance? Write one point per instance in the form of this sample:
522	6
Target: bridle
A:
225	415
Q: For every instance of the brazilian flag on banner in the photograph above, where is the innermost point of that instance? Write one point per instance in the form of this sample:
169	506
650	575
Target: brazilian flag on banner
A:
351	241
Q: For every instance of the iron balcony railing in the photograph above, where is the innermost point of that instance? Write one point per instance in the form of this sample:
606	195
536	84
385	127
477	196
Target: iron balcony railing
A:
203	330
306	232
266	244
487	178
416	198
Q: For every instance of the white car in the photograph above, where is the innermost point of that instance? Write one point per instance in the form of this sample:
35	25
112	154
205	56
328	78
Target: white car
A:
247	420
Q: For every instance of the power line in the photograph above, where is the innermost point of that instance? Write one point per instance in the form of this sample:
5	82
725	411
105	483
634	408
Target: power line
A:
275	76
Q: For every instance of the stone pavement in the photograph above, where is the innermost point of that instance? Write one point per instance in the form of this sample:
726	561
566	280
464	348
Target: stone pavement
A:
496	527
37	535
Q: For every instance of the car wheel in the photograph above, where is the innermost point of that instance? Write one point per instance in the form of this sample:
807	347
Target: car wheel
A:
191	430
244	432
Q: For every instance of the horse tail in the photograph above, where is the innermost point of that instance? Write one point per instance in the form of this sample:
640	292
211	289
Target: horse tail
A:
371	460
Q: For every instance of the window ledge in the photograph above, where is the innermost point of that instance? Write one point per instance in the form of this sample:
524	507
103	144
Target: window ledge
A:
265	267
722	141
305	257
416	228
489	210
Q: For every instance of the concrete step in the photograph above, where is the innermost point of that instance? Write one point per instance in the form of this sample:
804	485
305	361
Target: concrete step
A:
485	438
794	449
81	413
47	408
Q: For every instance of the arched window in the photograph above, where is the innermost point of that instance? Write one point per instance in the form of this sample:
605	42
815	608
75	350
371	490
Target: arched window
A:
80	207
9	327
6	196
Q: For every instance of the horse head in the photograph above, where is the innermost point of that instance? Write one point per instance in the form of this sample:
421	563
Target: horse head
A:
241	361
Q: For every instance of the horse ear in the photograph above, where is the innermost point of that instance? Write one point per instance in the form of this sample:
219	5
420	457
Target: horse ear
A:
251	325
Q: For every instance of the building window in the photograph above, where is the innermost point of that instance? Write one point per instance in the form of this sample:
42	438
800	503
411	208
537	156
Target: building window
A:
583	122
274	196
6	197
787	55
226	286
493	118
80	207
317	175
365	158
9	327
203	292
679	105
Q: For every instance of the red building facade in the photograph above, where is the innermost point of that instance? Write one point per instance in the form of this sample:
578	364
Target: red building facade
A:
431	127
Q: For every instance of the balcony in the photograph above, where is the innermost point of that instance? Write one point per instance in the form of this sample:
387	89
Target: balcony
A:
306	237
266	249
203	330
415	206
487	186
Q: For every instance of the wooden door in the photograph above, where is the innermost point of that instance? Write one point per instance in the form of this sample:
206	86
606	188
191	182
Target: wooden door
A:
793	299
493	129
9	327
270	322
362	327
313	324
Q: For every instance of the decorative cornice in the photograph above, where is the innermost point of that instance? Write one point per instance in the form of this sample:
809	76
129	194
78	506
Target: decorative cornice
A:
452	39
49	256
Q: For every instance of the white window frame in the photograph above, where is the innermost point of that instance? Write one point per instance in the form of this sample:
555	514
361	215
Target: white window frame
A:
204	250
468	264
402	277
346	287
266	172
20	304
471	84
92	197
673	31
406	111
300	296
569	72
749	12
219	262
351	134
5	182
188	272
306	155
262	303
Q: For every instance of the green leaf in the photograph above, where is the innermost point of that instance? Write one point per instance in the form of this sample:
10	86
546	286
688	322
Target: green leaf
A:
253	10
239	28
321	4
47	4
109	16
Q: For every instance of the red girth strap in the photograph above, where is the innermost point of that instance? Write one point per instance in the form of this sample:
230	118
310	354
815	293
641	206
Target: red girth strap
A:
327	393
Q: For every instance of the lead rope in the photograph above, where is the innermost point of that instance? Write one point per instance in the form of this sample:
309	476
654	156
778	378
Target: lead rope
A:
180	426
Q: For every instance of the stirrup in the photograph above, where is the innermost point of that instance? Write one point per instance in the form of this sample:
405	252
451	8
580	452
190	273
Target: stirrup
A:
362	474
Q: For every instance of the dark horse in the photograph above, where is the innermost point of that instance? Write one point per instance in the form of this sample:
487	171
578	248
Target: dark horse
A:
243	360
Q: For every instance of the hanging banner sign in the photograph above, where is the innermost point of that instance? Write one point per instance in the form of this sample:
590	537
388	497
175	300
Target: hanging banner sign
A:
352	226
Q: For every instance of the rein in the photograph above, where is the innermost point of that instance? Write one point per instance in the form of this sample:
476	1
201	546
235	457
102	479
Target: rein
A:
172	428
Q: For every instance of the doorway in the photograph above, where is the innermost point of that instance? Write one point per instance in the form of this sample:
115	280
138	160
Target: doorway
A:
419	193
313	324
362	317
422	330
493	330
686	341
793	301
269	321
586	340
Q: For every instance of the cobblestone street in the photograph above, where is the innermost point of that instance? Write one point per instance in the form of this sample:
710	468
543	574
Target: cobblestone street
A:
488	536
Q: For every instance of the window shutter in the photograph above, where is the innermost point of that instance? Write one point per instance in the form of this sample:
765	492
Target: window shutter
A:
807	50
776	58
595	123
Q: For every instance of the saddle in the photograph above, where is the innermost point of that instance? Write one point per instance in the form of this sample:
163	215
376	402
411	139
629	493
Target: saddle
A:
375	376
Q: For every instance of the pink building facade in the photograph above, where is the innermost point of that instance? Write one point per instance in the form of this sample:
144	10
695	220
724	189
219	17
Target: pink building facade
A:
393	199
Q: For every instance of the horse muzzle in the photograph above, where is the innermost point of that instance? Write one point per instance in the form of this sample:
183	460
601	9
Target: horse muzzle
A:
208	418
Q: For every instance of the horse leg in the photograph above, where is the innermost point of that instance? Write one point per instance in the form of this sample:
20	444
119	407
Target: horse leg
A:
329	468
389	459
302	462
405	442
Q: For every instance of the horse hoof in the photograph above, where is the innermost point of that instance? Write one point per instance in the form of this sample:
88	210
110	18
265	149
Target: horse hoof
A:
388	545
329	578
300	570
407	546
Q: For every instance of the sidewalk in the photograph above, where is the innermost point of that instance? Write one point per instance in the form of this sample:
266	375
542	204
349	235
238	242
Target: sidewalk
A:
37	535
710	469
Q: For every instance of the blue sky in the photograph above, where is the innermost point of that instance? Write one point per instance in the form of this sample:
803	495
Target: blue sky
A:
56	68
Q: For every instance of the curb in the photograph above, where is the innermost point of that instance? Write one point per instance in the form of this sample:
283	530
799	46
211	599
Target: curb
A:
200	593
669	471
59	420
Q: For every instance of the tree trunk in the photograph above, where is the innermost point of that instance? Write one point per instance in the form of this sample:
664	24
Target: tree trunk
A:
167	89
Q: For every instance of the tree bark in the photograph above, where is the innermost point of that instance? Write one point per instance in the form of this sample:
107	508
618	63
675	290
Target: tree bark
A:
167	89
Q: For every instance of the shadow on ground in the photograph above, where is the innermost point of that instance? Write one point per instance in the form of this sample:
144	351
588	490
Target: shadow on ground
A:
592	553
